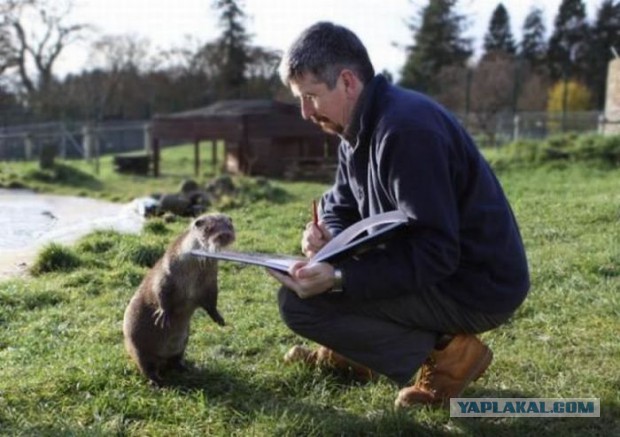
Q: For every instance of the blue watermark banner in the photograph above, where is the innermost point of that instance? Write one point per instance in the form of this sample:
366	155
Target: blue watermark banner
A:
525	407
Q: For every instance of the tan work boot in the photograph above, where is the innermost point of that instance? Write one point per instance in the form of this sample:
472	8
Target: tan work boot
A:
328	359
447	372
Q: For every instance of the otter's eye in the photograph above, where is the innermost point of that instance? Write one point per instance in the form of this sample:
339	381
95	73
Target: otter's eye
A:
199	222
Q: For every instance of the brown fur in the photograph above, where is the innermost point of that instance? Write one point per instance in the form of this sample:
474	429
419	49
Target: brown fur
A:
157	319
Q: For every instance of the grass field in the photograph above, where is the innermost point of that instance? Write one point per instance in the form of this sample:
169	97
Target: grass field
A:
63	369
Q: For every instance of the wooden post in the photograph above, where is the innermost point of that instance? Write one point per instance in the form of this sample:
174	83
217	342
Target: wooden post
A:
196	157
214	156
28	146
148	138
96	153
155	151
88	141
516	127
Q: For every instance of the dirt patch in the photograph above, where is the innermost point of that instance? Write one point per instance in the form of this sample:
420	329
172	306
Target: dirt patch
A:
30	221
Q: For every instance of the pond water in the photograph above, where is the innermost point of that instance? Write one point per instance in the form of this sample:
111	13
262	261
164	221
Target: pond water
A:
29	220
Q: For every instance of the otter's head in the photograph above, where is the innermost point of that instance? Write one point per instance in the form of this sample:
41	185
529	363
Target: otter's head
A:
213	231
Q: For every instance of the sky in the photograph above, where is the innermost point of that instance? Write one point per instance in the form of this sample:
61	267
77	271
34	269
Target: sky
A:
380	24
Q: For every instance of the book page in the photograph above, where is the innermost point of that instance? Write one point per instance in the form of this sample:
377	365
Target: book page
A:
378	228
346	238
276	262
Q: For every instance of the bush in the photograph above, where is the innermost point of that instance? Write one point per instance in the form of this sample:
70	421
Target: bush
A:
578	97
596	149
156	226
140	253
99	242
55	257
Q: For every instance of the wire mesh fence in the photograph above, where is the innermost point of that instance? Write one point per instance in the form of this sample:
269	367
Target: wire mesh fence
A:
503	128
86	141
72	140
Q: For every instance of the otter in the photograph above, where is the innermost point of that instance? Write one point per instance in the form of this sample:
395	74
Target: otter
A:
157	319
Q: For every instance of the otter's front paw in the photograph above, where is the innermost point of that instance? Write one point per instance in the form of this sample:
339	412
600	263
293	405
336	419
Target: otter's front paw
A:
161	318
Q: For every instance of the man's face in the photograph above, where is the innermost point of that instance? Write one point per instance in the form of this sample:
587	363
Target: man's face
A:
330	109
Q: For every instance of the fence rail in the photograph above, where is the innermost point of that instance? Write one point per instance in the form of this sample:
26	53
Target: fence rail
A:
85	141
24	142
502	128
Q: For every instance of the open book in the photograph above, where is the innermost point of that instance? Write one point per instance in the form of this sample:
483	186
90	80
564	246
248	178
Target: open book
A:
358	237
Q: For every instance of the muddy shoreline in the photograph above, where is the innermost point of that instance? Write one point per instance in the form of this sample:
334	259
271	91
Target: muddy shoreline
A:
29	220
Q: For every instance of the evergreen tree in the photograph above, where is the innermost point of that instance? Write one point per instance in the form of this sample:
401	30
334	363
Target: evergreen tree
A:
533	46
605	35
437	44
233	48
499	36
568	45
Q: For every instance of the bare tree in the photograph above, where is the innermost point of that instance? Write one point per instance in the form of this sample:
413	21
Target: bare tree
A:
262	72
453	94
533	89
7	52
493	92
37	33
115	86
122	52
183	59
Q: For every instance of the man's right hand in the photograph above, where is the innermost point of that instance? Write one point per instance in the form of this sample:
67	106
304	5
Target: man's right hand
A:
314	238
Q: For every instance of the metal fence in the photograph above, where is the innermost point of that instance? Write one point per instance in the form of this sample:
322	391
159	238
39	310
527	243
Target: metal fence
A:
502	128
72	140
85	141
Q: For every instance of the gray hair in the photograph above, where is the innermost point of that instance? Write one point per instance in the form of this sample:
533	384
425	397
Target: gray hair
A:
325	49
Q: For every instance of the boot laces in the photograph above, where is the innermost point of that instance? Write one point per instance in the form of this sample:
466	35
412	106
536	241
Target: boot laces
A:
427	373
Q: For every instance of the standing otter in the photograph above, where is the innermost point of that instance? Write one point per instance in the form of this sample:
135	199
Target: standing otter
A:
156	322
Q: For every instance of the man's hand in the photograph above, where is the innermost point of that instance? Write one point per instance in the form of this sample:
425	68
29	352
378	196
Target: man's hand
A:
307	281
313	238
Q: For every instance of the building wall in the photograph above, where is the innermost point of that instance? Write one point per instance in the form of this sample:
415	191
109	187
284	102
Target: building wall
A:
612	99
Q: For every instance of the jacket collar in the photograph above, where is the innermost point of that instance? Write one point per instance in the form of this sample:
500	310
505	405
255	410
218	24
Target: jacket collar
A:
363	113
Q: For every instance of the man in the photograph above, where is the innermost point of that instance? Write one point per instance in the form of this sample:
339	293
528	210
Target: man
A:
417	301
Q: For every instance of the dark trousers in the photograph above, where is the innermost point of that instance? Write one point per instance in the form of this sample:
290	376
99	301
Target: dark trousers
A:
390	336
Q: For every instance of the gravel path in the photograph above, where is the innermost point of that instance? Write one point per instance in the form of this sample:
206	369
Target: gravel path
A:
28	221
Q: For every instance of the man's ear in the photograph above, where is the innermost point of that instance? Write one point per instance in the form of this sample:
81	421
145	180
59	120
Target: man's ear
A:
350	82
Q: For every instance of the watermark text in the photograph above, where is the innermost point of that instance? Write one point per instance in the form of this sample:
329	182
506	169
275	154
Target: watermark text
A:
525	407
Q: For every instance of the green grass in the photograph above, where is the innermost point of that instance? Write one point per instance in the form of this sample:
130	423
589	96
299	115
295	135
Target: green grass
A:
64	370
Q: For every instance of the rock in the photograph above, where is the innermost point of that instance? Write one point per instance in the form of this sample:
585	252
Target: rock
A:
175	203
222	186
188	186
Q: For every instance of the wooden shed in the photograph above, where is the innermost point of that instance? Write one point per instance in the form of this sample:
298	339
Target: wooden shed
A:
261	137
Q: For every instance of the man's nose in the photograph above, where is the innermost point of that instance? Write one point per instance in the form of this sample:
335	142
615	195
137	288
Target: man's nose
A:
306	109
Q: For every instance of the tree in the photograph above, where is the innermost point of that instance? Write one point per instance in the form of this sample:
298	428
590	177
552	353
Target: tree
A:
569	96
568	45
533	90
533	47
120	62
492	90
37	34
438	43
605	35
232	47
7	54
455	83
499	36
262	73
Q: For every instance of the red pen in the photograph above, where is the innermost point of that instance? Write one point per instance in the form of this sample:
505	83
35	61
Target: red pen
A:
315	214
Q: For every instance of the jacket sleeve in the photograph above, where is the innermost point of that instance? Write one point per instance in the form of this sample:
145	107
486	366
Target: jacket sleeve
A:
338	205
415	170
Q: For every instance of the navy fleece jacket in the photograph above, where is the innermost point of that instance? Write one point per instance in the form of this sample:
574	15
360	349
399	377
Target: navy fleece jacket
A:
404	151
